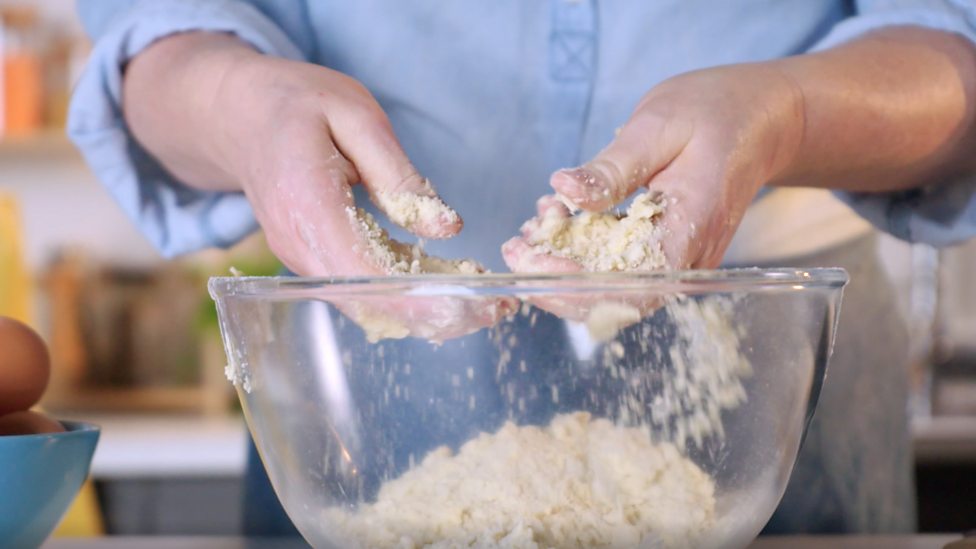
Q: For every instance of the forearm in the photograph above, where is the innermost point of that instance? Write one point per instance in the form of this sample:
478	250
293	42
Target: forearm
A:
170	102
893	110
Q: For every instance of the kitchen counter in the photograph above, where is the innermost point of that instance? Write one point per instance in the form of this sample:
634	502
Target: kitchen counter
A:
812	542
161	446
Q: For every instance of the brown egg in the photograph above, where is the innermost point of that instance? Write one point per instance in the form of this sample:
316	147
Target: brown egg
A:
28	423
24	366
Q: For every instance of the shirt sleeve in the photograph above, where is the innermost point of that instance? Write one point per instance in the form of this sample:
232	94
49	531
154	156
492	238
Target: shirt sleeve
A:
943	212
175	217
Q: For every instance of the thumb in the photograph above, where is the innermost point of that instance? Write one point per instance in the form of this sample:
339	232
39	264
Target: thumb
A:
642	148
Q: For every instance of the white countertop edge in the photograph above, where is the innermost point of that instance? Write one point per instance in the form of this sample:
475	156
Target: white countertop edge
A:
169	446
141	446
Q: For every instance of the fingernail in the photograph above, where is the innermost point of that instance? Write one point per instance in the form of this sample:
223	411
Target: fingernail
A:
566	202
582	184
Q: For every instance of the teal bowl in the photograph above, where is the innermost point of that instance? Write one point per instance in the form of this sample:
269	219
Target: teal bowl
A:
39	477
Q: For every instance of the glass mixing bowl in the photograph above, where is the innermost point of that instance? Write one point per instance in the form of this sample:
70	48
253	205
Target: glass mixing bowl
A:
590	410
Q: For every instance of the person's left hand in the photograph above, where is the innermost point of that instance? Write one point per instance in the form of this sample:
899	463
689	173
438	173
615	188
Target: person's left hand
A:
708	140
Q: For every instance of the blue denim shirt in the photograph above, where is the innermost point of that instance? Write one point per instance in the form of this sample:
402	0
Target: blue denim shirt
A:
488	98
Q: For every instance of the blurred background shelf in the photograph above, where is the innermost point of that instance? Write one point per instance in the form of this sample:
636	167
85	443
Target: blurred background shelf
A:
945	439
47	144
162	400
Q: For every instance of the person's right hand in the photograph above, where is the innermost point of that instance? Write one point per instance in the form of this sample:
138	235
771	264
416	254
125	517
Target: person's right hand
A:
294	137
297	138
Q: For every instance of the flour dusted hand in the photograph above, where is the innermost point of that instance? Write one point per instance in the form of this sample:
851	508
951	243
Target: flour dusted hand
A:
294	137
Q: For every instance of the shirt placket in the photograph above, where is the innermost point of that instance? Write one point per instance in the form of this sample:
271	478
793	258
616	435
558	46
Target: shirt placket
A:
571	70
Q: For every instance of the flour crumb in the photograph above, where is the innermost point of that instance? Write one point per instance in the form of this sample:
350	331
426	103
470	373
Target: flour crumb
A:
579	482
606	241
606	318
397	258
379	326
409	209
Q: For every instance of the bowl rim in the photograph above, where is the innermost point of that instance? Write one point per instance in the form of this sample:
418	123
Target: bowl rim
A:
71	429
697	281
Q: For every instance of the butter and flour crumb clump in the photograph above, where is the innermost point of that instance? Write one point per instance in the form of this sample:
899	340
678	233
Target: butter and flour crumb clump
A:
606	241
579	482
434	319
409	209
395	257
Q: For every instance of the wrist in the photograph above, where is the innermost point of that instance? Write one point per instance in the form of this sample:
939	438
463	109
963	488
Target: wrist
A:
787	121
888	111
171	103
218	101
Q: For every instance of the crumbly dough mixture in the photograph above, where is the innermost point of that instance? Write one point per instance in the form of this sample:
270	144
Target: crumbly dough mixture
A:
399	258
396	257
606	241
606	318
409	209
580	482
